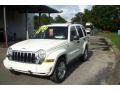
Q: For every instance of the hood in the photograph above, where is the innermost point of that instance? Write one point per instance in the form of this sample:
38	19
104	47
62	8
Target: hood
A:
37	44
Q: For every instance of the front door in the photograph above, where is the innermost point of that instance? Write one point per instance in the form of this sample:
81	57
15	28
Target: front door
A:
73	49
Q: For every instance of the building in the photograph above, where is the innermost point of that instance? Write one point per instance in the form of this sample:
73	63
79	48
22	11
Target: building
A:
16	27
16	21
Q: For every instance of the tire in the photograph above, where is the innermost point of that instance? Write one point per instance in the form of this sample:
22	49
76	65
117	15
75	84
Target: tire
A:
85	55
15	72
60	71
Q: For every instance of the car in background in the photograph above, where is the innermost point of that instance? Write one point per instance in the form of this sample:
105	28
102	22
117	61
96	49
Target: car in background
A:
88	30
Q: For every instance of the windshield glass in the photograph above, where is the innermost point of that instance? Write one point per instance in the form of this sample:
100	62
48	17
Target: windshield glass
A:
51	33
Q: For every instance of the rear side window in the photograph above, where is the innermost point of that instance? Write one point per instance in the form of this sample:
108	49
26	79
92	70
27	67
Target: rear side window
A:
84	31
79	31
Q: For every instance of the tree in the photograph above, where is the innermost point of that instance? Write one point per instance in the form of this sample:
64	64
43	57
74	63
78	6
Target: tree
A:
36	21
44	20
59	19
102	16
87	16
78	18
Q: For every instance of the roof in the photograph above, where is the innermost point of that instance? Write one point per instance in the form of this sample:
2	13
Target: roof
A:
61	24
30	8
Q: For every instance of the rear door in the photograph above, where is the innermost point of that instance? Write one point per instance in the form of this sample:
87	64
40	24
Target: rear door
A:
81	38
85	33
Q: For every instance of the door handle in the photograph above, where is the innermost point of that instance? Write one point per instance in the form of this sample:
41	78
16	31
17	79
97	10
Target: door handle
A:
84	38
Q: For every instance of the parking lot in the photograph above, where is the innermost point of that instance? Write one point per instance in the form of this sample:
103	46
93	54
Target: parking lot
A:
96	70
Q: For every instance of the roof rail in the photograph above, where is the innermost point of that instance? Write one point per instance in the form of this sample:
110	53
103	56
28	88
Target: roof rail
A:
62	23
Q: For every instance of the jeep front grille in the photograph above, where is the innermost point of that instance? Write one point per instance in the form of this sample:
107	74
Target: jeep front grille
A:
23	57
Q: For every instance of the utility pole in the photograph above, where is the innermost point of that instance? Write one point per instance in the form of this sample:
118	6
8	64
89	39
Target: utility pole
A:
26	21
5	26
80	17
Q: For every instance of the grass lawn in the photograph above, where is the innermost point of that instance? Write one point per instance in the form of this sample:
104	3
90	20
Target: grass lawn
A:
112	36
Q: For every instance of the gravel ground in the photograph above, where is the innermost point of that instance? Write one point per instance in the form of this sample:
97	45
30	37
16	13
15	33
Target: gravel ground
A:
95	71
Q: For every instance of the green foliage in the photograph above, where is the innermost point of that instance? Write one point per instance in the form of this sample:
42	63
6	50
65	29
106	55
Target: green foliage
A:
45	19
102	16
87	16
113	37
59	19
78	18
36	21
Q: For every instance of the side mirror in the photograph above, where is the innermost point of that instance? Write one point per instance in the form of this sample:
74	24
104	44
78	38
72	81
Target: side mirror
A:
72	38
76	37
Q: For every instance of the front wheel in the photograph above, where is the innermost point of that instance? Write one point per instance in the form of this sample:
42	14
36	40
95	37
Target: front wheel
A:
60	71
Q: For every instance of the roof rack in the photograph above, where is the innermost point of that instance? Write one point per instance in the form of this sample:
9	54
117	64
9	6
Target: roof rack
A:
76	23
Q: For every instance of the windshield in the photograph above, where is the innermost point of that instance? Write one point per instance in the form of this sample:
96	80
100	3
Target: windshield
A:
52	33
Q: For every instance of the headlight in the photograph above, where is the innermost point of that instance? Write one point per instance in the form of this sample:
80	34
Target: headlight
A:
40	56
9	53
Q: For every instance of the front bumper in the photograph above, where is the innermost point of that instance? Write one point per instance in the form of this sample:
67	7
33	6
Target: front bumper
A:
44	69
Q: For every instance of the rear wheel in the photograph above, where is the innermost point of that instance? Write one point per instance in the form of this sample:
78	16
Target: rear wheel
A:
85	55
60	71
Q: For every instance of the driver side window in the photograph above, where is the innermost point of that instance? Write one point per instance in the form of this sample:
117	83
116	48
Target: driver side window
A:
73	31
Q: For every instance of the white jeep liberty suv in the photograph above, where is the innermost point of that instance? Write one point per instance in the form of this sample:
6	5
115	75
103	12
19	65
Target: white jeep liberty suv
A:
49	51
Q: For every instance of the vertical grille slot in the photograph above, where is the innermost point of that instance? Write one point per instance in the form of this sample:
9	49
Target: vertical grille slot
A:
33	58
29	57
15	57
23	57
19	56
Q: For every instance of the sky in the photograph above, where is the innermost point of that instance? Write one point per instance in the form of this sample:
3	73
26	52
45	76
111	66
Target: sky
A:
69	10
